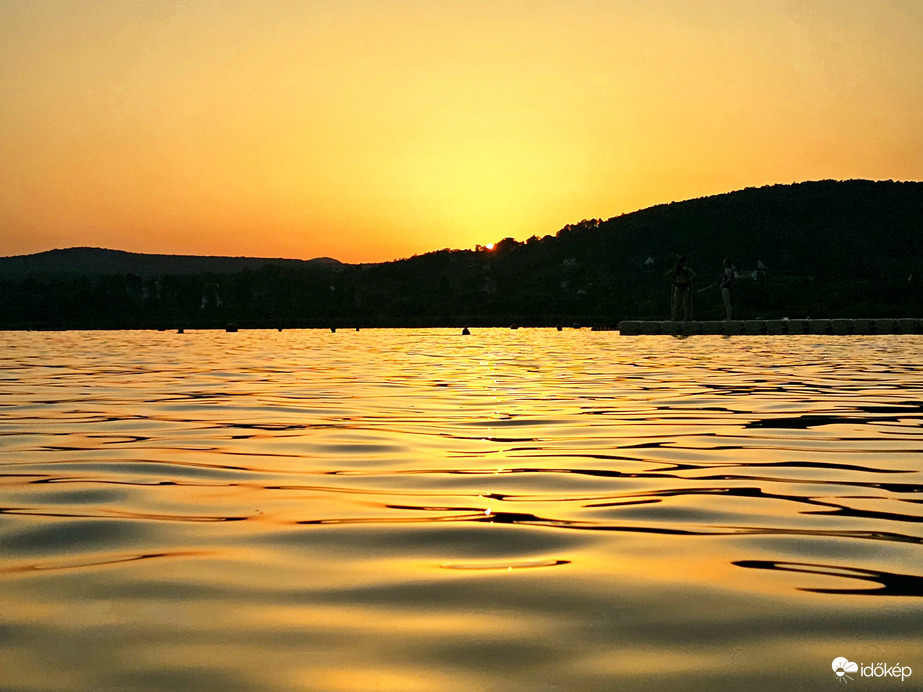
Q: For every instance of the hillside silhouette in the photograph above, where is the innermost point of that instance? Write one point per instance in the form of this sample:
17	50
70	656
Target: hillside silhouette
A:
815	249
90	261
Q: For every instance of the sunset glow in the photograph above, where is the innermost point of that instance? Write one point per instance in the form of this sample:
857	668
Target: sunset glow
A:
369	131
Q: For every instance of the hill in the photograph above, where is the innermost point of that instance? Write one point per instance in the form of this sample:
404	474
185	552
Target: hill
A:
818	249
89	261
821	249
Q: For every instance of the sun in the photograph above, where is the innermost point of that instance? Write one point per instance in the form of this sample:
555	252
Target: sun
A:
489	246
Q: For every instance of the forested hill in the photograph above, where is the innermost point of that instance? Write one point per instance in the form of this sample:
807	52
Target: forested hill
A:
815	249
818	227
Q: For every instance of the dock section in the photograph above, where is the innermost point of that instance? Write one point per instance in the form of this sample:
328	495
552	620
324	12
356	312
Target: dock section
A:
769	327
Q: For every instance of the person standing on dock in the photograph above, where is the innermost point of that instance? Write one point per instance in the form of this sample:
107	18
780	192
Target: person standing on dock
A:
682	277
727	280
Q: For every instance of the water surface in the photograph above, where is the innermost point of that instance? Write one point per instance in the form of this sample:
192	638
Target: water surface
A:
417	510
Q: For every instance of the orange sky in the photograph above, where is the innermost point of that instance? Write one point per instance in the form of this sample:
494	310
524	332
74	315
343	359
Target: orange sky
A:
370	130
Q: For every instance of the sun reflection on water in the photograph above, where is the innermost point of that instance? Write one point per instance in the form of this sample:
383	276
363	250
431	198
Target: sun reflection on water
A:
411	509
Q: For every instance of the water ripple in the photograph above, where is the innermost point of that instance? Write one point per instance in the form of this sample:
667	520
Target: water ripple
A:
405	509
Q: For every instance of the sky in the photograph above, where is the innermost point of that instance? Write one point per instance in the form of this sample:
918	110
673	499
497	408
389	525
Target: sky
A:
371	130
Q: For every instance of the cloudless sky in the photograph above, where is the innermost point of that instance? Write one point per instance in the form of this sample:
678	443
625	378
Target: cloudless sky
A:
370	130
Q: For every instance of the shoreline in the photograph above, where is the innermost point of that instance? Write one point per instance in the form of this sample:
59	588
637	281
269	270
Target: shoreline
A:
769	327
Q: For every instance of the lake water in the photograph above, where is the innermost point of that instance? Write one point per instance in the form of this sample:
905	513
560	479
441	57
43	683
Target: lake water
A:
418	510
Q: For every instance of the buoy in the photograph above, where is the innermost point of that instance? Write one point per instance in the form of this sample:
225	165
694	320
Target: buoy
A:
465	332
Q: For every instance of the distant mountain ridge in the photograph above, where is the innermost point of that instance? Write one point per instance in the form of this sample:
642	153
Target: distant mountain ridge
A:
91	261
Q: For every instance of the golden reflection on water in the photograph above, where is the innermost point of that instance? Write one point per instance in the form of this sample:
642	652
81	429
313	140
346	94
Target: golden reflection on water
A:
409	509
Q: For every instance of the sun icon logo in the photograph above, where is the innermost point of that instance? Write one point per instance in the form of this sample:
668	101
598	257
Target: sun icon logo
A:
841	666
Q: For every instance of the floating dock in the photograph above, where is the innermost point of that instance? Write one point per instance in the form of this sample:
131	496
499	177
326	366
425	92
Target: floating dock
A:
756	327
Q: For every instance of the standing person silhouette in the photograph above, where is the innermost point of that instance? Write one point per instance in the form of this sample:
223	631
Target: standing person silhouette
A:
727	281
682	276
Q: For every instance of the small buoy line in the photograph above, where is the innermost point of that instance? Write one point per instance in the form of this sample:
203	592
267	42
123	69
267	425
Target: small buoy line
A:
232	327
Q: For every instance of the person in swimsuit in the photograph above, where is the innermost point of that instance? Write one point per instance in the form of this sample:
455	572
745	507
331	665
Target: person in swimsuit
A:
682	276
727	281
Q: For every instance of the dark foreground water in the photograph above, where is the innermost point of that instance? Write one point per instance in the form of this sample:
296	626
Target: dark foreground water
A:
417	510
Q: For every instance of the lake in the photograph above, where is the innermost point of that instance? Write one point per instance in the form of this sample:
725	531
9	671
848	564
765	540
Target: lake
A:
419	510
